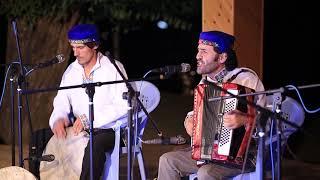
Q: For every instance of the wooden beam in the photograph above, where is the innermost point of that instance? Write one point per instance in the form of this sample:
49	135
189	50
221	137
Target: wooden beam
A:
244	20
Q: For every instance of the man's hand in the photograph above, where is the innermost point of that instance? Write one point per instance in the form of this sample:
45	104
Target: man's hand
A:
77	126
234	119
59	128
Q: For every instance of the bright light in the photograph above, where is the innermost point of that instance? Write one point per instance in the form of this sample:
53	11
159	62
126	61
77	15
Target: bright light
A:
162	25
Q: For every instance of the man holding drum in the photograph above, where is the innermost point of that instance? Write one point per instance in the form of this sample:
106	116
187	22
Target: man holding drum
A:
90	66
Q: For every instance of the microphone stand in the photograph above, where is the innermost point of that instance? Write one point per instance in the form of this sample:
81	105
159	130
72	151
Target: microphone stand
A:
130	97
13	77
90	89
262	121
19	89
21	81
276	107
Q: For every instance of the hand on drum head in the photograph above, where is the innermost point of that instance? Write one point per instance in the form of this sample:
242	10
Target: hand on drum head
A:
77	127
59	128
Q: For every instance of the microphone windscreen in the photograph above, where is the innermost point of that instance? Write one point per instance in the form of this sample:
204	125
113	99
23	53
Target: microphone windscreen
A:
60	58
185	67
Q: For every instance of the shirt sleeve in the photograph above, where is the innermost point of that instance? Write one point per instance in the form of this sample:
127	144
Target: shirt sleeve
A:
252	81
61	105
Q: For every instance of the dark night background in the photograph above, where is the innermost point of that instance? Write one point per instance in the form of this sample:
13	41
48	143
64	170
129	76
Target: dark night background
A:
290	53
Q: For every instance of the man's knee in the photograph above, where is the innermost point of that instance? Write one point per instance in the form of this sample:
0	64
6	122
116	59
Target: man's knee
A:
166	159
206	173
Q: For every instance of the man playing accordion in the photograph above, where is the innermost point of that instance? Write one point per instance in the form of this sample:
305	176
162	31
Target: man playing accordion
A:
217	63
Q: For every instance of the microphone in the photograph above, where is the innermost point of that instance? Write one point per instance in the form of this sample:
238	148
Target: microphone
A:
171	69
177	140
57	59
47	157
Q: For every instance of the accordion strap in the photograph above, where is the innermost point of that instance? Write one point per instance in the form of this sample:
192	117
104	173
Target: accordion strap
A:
235	75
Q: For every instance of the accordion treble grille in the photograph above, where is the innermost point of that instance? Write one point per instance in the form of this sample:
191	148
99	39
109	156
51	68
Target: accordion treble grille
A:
226	134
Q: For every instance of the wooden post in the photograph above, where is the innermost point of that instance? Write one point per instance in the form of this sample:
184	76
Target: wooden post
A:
244	20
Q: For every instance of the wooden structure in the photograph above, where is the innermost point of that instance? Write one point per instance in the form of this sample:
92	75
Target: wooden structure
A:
244	20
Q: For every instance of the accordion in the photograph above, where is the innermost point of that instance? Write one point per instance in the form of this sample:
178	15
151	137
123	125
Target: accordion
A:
211	141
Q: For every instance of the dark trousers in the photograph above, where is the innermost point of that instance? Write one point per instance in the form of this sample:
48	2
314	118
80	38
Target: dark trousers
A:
103	141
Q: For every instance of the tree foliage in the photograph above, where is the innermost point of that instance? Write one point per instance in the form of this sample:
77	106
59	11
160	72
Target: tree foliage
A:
123	15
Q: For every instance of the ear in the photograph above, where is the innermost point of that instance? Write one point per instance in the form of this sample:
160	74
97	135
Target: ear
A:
223	57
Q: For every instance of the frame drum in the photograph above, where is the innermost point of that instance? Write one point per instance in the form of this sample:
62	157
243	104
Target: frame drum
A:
15	172
68	154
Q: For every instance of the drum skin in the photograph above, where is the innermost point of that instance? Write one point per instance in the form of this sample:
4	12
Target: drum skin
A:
15	172
68	156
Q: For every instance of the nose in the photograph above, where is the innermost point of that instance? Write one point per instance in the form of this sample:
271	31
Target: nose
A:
75	52
198	56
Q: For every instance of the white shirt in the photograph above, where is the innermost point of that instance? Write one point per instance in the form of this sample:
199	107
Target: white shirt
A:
248	79
107	100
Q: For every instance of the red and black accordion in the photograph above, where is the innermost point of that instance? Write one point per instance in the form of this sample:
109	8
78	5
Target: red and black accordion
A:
211	140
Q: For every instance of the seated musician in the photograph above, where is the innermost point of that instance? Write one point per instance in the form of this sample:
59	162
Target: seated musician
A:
90	66
217	63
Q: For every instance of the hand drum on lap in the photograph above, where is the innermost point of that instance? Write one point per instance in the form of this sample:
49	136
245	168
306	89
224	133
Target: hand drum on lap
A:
68	156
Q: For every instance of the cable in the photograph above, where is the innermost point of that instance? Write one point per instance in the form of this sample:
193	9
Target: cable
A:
298	93
271	149
4	85
145	75
5	81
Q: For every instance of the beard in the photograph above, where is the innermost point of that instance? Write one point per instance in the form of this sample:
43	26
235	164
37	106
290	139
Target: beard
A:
207	67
